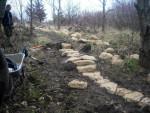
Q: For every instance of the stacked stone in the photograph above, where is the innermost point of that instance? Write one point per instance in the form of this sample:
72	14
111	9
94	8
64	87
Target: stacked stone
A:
86	65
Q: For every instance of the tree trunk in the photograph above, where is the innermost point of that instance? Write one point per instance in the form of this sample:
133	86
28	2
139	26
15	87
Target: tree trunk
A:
104	16
53	11
143	9
31	18
59	18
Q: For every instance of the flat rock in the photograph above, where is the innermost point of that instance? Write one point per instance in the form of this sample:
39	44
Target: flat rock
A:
93	37
66	46
93	76
134	96
134	56
109	50
66	53
122	91
76	35
116	60
99	42
111	87
93	41
106	56
83	40
87	68
74	55
84	62
73	59
102	81
63	50
145	101
87	57
74	39
106	43
77	84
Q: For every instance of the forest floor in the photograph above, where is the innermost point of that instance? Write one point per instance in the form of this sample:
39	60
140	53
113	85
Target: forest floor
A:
45	89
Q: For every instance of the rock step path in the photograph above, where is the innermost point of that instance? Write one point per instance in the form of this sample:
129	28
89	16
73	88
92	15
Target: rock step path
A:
86	65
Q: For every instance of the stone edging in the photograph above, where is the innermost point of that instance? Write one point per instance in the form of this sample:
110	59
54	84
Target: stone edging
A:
86	65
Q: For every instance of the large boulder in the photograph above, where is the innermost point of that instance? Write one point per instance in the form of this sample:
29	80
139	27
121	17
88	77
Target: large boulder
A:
77	84
105	56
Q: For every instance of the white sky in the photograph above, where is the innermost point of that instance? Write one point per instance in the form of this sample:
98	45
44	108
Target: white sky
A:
89	5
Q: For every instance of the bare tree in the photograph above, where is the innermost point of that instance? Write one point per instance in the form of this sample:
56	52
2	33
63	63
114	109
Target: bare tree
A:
20	9
72	11
124	15
104	15
143	9
52	3
29	12
59	15
31	21
53	10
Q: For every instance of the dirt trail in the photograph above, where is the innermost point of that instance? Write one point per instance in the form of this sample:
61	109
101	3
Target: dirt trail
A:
46	91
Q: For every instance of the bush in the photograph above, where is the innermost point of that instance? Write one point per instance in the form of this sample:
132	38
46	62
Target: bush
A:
131	65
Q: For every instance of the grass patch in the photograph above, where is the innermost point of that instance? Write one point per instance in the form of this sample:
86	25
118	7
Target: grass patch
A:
131	65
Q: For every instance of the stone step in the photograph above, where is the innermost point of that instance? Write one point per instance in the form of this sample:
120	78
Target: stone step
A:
84	62
66	46
87	57
63	50
93	76
78	84
87	68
